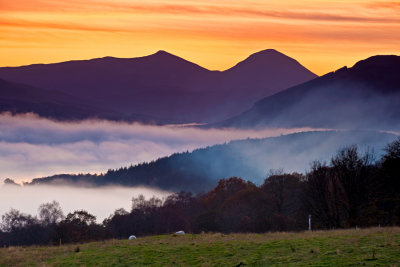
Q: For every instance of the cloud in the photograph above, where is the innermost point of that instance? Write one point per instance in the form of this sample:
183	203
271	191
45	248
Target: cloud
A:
32	147
13	22
323	35
206	8
391	5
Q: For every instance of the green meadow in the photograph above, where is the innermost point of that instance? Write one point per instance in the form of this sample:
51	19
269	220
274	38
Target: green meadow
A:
354	247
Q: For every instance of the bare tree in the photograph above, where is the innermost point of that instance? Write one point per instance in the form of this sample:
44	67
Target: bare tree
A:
80	217
50	213
14	220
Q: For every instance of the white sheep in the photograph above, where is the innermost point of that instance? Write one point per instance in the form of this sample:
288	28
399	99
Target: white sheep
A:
132	237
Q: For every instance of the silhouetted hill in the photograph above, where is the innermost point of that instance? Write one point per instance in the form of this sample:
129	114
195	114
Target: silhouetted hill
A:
364	96
250	159
21	98
267	68
165	86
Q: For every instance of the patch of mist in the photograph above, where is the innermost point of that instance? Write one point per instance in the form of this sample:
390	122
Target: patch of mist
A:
252	159
99	201
31	146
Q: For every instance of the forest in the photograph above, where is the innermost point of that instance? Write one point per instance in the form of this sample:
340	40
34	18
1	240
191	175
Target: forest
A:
352	190
251	159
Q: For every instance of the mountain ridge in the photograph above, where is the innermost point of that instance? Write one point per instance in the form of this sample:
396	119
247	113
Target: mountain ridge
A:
17	98
343	98
160	85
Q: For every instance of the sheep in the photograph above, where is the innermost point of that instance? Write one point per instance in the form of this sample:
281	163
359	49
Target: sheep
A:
132	237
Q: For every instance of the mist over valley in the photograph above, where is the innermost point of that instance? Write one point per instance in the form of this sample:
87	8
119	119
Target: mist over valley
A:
201	146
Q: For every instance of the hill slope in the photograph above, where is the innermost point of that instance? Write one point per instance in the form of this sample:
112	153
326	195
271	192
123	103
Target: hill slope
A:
250	159
21	98
364	96
165	86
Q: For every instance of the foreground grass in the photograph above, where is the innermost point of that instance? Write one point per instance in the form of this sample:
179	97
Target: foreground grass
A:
364	247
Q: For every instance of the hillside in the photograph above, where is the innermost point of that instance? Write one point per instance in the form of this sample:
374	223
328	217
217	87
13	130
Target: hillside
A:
165	86
364	96
19	98
362	247
250	159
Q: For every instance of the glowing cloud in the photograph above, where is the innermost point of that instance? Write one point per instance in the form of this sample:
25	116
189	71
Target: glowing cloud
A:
323	35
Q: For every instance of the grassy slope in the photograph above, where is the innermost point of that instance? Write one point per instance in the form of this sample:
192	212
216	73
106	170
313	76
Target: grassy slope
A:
319	248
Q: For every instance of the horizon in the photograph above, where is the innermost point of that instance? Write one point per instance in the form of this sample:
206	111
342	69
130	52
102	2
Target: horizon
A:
121	119
204	67
322	36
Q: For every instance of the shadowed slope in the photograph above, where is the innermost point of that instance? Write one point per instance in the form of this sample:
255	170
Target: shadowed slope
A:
21	98
250	159
366	95
166	86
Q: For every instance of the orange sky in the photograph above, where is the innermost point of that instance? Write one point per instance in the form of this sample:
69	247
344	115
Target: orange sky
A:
323	35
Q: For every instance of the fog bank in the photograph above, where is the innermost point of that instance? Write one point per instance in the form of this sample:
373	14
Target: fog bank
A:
100	201
31	146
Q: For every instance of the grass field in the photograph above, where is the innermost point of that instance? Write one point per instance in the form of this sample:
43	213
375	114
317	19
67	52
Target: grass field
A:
363	247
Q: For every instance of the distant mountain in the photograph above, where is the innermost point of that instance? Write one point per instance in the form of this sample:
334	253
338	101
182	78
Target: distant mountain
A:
364	96
21	98
165	86
251	159
267	69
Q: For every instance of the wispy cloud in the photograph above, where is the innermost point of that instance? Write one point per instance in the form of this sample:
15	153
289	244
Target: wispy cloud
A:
207	8
317	33
32	147
391	5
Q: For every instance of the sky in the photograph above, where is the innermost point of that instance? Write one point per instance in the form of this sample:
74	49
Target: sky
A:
323	35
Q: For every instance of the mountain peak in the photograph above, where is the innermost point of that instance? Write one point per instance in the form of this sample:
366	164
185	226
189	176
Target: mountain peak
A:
273	62
268	58
161	53
267	52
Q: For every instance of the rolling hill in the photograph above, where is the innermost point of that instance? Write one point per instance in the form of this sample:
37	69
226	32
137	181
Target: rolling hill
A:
365	96
251	159
164	86
19	98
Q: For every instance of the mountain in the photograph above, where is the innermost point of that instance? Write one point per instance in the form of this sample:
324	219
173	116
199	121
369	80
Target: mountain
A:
21	98
364	96
251	159
267	68
165	86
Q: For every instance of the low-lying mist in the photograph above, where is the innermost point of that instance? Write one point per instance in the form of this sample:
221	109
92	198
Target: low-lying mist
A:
100	201
31	146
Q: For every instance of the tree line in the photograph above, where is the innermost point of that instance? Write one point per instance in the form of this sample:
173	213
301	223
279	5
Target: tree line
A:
352	190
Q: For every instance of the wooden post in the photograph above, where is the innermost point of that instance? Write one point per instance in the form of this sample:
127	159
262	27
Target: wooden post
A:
309	222
60	242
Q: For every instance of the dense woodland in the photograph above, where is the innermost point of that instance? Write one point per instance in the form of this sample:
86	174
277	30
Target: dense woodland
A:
352	190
